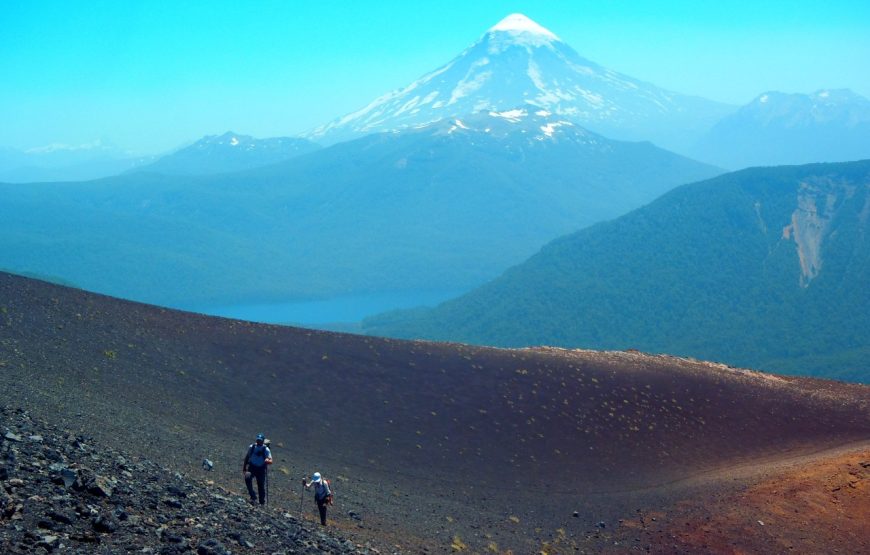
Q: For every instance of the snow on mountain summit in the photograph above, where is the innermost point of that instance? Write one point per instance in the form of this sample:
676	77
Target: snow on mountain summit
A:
518	62
517	24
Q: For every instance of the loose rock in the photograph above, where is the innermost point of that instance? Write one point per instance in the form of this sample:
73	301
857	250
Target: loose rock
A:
66	495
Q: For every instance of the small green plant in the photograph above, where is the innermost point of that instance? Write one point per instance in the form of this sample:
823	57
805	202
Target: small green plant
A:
458	544
109	354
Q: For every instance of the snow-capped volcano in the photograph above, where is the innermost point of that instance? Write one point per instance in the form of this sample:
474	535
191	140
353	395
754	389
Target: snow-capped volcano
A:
518	62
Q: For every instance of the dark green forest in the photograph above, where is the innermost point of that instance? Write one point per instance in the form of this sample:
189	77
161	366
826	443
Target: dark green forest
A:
707	271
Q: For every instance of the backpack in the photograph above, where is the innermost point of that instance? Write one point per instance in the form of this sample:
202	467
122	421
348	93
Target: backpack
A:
331	494
254	446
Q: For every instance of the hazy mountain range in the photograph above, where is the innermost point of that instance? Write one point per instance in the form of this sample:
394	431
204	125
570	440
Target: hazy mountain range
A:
447	206
444	185
778	128
227	153
766	268
520	63
62	162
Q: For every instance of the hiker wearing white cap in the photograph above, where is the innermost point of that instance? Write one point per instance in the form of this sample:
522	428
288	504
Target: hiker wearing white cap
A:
322	494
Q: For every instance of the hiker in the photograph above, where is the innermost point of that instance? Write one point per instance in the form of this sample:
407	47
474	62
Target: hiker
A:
257	460
322	494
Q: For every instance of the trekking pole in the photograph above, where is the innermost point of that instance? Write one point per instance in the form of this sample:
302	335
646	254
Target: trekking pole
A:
301	500
267	484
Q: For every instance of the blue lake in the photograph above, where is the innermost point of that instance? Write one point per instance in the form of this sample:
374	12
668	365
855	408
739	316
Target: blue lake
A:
346	309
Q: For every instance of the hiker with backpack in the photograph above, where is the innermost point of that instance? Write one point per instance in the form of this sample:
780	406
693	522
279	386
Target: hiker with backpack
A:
322	494
255	465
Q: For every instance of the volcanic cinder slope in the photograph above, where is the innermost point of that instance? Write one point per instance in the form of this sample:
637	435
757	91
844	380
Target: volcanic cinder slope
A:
434	445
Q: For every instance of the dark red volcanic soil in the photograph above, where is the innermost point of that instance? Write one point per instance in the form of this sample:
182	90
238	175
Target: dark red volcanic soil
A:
434	445
816	504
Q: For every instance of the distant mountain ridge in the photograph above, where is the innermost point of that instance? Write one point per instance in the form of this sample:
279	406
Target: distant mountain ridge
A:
518	62
63	162
229	152
778	128
443	207
765	268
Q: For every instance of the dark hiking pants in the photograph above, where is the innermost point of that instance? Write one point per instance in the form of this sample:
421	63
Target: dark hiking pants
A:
258	472
321	506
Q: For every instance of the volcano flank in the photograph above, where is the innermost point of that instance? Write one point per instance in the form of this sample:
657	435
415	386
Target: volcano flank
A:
444	447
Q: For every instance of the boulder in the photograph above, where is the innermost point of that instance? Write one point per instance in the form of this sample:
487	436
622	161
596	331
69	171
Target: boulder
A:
100	486
63	518
68	477
105	524
12	437
212	546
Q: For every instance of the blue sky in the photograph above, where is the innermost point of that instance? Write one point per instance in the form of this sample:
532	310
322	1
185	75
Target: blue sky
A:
150	76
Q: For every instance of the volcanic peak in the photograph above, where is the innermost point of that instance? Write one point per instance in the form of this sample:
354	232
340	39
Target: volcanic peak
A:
517	30
519	23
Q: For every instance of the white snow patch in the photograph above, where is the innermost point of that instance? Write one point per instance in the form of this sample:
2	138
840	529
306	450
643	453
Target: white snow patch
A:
429	98
592	98
54	147
764	98
547	98
550	128
408	105
535	75
519	23
376	103
460	125
824	94
234	141
518	30
512	116
542	113
469	84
